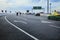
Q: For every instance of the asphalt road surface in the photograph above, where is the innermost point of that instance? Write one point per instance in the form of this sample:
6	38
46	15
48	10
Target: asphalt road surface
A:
28	27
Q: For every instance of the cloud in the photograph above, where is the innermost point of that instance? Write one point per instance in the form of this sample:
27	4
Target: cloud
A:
20	2
4	4
16	3
55	0
56	6
28	4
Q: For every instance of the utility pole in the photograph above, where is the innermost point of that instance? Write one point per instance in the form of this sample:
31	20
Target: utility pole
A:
47	6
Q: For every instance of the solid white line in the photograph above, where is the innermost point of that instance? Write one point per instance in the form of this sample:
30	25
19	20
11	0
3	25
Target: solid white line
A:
54	26
21	30
20	21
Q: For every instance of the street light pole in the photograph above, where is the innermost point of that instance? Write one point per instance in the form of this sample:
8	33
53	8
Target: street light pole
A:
47	6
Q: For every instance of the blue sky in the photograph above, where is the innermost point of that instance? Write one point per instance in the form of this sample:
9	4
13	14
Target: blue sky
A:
27	4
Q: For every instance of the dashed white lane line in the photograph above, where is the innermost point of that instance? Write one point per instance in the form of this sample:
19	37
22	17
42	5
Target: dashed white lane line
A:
22	18
54	26
20	21
43	21
21	29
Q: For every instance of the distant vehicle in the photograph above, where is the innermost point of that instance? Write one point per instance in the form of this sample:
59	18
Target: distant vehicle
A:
54	16
38	14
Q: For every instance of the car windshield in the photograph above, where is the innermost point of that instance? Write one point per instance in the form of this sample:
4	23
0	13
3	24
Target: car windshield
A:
29	20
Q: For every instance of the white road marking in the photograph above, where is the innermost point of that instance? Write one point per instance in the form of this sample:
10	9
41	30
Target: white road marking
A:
20	21
21	30
45	21
22	18
54	26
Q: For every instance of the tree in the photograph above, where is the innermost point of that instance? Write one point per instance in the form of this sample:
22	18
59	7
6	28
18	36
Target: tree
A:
1	10
5	11
10	11
27	10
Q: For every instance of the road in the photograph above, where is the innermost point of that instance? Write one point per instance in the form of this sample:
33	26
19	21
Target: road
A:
28	27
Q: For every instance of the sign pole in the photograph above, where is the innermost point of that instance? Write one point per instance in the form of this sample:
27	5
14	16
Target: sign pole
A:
47	6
